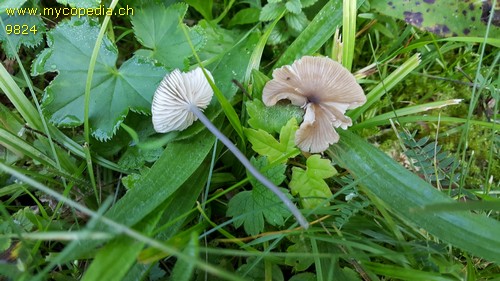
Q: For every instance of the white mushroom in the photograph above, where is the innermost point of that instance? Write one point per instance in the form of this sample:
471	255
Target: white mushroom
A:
325	89
176	105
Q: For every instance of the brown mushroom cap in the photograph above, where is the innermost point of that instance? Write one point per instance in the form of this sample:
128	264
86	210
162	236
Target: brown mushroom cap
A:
325	89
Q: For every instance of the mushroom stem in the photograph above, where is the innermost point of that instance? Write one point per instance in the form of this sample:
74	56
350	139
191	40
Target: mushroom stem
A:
241	157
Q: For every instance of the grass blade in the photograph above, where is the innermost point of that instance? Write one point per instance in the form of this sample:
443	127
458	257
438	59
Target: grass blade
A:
316	33
403	192
386	85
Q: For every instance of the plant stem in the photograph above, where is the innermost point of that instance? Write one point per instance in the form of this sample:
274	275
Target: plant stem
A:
242	158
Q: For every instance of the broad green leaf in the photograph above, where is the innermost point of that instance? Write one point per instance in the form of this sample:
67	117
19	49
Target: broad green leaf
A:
299	263
245	16
218	41
204	7
265	144
271	119
30	35
159	30
114	91
444	17
160	184
405	193
250	208
310	184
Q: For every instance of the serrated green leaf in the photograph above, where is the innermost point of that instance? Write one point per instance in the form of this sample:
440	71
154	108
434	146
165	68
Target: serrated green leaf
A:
445	17
114	91
266	145
271	119
279	34
159	30
297	22
218	41
30	39
309	183
307	3
271	11
249	208
294	6
245	16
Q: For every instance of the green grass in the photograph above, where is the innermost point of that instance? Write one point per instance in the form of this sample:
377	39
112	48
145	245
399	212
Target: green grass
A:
415	191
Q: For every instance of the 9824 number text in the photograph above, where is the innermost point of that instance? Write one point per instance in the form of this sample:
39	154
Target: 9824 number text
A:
20	29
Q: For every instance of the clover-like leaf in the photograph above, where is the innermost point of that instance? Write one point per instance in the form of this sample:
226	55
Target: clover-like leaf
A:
114	91
265	144
159	29
250	208
310	184
30	33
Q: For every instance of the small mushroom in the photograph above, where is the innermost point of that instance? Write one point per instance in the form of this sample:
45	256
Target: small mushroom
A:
325	89
176	105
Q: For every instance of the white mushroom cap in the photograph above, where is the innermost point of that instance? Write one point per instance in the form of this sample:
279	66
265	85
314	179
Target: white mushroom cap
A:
174	96
325	89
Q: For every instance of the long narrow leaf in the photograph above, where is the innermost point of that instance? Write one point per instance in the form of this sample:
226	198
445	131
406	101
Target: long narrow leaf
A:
177	163
316	33
405	111
404	192
386	85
